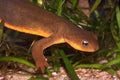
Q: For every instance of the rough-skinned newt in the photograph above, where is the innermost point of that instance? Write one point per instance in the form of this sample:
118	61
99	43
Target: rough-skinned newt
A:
24	16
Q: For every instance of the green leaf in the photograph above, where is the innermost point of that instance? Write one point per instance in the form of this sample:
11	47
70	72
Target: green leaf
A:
97	66
112	62
68	66
19	60
1	29
115	35
97	2
60	8
74	3
38	78
111	71
118	16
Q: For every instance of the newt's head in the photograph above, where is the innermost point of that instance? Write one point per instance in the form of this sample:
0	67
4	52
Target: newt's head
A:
83	41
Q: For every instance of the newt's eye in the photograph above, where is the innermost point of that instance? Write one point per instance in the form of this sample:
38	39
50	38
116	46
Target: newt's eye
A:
85	43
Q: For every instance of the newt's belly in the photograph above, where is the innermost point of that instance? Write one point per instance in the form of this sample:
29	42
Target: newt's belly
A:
34	31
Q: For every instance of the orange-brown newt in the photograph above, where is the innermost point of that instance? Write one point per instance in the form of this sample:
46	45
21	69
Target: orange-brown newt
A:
24	16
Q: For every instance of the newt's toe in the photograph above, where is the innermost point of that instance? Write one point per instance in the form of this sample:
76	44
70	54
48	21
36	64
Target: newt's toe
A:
41	66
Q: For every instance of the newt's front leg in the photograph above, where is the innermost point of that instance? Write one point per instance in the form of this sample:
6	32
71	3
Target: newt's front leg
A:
37	53
38	48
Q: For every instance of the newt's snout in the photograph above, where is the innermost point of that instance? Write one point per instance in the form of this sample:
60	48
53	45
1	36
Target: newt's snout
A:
95	49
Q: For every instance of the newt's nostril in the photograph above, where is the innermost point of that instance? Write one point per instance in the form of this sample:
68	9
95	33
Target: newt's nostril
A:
96	48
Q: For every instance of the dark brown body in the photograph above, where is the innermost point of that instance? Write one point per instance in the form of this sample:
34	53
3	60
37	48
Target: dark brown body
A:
23	16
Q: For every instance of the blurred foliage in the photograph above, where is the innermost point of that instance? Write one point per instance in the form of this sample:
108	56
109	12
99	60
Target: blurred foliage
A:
104	22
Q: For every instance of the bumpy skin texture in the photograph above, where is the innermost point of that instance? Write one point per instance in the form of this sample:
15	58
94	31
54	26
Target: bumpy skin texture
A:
24	16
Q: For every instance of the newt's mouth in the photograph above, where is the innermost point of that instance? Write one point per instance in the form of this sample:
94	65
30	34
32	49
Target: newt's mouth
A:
93	50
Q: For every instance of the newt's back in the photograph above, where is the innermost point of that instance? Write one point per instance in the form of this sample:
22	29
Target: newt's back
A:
23	16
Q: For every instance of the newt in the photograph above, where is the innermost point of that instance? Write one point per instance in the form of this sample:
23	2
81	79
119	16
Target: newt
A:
26	17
